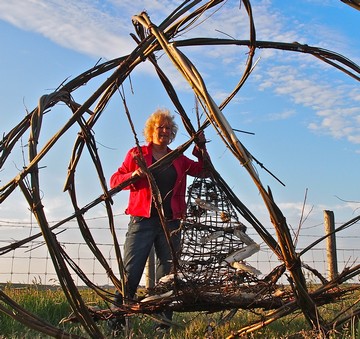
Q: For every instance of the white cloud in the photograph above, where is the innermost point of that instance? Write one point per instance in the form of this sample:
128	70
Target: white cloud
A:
271	25
73	24
282	115
102	30
337	113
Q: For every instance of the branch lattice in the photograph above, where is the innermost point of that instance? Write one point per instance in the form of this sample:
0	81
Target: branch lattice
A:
213	232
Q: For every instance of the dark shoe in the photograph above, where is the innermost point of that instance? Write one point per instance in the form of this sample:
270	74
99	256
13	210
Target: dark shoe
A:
116	324
162	328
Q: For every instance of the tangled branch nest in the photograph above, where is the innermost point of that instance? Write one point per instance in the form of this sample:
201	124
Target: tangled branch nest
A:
235	290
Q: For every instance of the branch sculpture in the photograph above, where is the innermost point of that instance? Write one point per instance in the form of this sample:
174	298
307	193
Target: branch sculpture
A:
250	292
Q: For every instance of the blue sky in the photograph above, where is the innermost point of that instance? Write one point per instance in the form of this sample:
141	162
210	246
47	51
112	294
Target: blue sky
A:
305	114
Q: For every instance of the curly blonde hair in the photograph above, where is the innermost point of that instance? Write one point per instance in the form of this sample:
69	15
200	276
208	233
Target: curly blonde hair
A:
160	116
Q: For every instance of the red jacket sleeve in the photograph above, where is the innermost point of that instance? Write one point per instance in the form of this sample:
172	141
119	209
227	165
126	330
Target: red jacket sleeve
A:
199	168
125	171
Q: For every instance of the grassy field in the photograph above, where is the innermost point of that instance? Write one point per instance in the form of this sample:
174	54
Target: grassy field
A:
50	305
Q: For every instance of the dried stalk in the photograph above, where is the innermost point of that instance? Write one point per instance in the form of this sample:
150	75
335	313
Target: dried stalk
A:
152	38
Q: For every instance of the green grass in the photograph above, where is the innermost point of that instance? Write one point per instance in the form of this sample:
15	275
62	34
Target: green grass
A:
51	305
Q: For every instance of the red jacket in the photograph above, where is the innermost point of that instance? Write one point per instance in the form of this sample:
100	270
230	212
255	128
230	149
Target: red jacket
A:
140	198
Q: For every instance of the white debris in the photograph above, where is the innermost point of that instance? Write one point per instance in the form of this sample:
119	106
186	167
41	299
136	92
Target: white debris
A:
242	254
241	266
243	237
157	296
211	236
171	277
206	205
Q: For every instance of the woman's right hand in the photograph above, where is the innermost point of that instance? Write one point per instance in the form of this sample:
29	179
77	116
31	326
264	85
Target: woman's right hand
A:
138	172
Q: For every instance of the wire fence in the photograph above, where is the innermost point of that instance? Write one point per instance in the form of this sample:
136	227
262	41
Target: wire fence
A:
33	265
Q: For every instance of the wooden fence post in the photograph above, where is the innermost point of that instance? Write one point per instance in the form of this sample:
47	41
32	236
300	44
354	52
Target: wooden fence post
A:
329	222
150	270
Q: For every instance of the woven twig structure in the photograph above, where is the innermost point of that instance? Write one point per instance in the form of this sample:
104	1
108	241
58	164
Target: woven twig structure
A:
215	243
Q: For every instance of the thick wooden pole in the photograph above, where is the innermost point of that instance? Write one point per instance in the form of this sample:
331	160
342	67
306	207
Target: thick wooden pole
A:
329	223
150	270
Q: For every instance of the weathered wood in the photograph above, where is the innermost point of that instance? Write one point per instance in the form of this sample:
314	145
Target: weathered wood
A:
166	37
329	223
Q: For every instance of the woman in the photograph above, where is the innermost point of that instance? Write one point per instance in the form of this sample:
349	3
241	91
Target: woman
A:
145	229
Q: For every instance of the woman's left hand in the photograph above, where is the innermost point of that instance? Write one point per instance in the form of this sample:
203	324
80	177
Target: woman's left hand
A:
200	140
